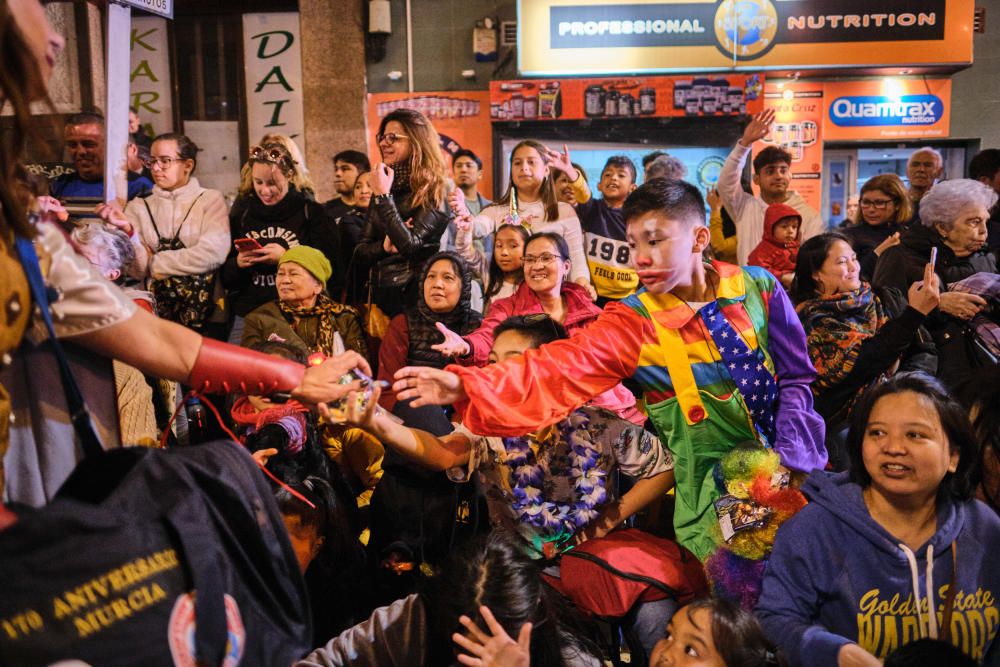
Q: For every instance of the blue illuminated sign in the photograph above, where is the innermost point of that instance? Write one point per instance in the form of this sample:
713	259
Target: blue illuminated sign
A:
862	110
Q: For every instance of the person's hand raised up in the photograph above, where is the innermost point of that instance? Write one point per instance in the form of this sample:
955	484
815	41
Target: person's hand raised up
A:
496	649
758	128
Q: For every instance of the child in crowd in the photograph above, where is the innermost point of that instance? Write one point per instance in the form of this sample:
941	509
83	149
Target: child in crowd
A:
530	201
330	558
718	351
722	228
705	633
779	249
351	225
503	272
607	250
566	188
713	632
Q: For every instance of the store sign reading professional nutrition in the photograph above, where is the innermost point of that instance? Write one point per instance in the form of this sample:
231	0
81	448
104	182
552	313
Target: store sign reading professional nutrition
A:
564	37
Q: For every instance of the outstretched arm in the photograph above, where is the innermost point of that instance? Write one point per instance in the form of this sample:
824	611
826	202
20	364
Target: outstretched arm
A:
734	198
540	387
428	450
164	349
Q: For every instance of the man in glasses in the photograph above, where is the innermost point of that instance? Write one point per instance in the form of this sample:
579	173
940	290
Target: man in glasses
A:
83	138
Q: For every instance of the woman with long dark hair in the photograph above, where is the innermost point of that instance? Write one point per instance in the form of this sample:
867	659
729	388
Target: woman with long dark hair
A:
407	214
897	548
489	572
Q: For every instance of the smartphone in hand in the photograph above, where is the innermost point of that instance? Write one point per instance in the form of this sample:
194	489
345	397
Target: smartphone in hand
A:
247	244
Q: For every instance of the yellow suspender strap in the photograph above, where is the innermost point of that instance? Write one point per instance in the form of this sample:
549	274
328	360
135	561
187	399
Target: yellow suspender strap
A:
681	376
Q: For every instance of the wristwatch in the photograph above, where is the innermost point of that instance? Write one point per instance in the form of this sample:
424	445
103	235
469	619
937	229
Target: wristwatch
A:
378	199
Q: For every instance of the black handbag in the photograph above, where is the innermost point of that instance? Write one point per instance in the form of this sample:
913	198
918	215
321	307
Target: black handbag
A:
188	299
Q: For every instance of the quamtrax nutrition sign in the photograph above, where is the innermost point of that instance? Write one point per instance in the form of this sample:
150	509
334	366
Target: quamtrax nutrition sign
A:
577	37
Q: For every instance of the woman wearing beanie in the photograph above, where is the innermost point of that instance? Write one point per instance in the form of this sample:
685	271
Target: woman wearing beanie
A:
304	315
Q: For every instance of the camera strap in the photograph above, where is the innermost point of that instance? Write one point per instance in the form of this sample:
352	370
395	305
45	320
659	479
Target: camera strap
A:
78	412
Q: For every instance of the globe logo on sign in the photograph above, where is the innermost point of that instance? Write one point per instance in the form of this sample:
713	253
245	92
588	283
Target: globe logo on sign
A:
708	171
745	28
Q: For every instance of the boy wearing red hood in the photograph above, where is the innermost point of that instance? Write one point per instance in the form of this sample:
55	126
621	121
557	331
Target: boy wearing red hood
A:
779	248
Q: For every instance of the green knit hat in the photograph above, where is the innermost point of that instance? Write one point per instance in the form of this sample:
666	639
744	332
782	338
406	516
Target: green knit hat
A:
311	260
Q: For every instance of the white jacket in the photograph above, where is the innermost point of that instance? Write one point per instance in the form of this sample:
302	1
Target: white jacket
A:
748	211
205	233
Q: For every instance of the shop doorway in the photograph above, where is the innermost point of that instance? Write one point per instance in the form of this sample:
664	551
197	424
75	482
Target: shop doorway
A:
846	167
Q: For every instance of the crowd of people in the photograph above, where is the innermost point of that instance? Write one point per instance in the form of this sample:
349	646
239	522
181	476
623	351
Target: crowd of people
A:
707	425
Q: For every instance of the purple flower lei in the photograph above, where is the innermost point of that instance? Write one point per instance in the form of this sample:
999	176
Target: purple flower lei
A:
527	477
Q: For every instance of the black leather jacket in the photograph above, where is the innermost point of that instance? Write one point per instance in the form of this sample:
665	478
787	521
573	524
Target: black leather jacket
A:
416	234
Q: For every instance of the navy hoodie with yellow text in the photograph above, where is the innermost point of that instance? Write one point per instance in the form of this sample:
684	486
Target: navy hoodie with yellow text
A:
836	576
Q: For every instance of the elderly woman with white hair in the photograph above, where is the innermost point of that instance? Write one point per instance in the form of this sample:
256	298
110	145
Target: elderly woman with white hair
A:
111	252
953	216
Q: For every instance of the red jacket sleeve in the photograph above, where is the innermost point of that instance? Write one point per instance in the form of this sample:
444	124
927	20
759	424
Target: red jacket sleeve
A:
544	385
392	356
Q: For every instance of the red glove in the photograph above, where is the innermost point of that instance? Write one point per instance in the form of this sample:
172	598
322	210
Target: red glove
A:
221	366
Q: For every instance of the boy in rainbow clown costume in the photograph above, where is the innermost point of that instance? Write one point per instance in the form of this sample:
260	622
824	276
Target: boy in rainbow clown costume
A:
721	357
